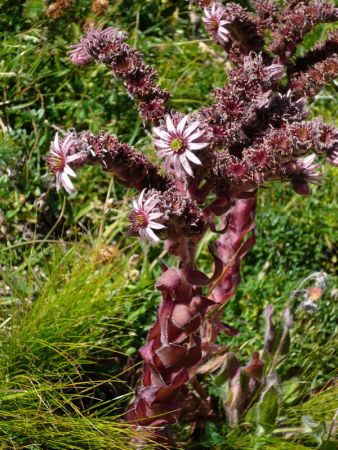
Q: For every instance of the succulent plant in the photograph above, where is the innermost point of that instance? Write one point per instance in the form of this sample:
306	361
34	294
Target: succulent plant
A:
211	164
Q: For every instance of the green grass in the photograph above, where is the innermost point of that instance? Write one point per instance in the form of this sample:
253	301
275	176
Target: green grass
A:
63	356
74	305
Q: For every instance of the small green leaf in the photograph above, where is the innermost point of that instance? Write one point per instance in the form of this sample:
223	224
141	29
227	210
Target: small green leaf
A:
251	416
33	9
228	369
329	445
267	410
290	390
316	429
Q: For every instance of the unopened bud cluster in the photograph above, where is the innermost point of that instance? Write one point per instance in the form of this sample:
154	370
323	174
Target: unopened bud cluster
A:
108	46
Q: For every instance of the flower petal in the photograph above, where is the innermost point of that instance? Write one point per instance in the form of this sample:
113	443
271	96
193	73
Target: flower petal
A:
177	165
167	165
309	159
170	124
164	153
186	166
150	201
153	216
74	157
197	145
66	183
67	144
181	124
56	142
195	136
161	144
156	226
191	128
140	200
142	233
159	132
69	171
58	181
193	158
151	235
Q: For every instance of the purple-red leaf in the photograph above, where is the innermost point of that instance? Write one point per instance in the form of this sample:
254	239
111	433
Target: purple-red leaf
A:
197	278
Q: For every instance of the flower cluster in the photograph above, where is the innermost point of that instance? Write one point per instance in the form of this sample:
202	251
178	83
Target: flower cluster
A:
108	46
237	30
309	73
317	76
298	19
268	12
209	166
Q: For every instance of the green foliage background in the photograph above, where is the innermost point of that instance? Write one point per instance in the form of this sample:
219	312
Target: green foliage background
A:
76	295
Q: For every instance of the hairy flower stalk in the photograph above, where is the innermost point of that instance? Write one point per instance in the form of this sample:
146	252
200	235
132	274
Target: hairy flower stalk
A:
211	164
238	31
108	46
132	168
297	21
316	77
318	54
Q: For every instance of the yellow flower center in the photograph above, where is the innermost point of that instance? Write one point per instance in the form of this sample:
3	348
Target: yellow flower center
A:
140	219
56	162
177	145
214	25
